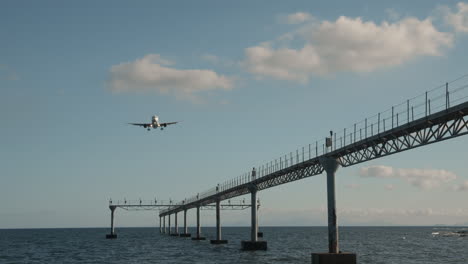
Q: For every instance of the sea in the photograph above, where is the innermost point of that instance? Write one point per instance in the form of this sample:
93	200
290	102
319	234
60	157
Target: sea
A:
372	245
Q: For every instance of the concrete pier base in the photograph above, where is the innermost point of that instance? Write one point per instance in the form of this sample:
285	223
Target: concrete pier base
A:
218	242
333	258
185	235
254	245
198	238
111	236
260	234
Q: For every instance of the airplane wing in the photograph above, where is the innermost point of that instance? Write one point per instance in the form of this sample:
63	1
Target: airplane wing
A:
143	125
169	123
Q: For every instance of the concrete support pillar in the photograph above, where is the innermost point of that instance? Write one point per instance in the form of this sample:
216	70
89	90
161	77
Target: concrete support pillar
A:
259	234
218	220
198	222
198	237
186	233
164	224
160	224
112	232
112	220
253	244
176	226
331	165
185	221
218	225
169	216
254	223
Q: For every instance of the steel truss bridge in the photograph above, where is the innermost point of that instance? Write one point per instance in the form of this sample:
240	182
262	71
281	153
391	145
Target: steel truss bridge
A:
359	144
162	206
434	116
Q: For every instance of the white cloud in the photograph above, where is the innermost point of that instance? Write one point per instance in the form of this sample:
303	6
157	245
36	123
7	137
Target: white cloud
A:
152	74
422	178
283	64
347	44
458	20
462	187
296	18
376	171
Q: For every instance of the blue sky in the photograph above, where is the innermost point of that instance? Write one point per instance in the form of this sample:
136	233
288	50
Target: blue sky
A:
249	81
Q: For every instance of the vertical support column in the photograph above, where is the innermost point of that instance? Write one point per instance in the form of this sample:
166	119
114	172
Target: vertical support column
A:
253	244
160	225
218	239
259	234
354	133
186	233
185	221
112	234
164	224
447	104
198	222
198	237
426	103
331	165
169	216
176	226
112	220
378	125
218	220
407	111
254	223
365	124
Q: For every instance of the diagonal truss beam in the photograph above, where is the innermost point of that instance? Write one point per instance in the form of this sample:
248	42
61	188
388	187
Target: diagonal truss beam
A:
422	132
440	126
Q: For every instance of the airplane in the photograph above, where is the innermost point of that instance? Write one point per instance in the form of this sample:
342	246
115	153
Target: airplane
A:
154	124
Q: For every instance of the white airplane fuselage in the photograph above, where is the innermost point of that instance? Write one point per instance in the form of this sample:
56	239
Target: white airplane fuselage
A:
155	122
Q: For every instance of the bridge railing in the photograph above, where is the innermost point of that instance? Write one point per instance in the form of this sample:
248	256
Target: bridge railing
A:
430	102
434	100
138	202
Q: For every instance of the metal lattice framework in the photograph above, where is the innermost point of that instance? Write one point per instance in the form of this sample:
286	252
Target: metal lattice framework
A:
226	207
163	207
142	207
440	126
434	116
369	139
241	205
298	172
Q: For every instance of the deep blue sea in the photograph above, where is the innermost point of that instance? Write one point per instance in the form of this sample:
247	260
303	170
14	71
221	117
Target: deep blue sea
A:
408	245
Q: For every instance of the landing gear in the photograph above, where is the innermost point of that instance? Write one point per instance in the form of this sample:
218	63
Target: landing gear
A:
149	129
162	128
